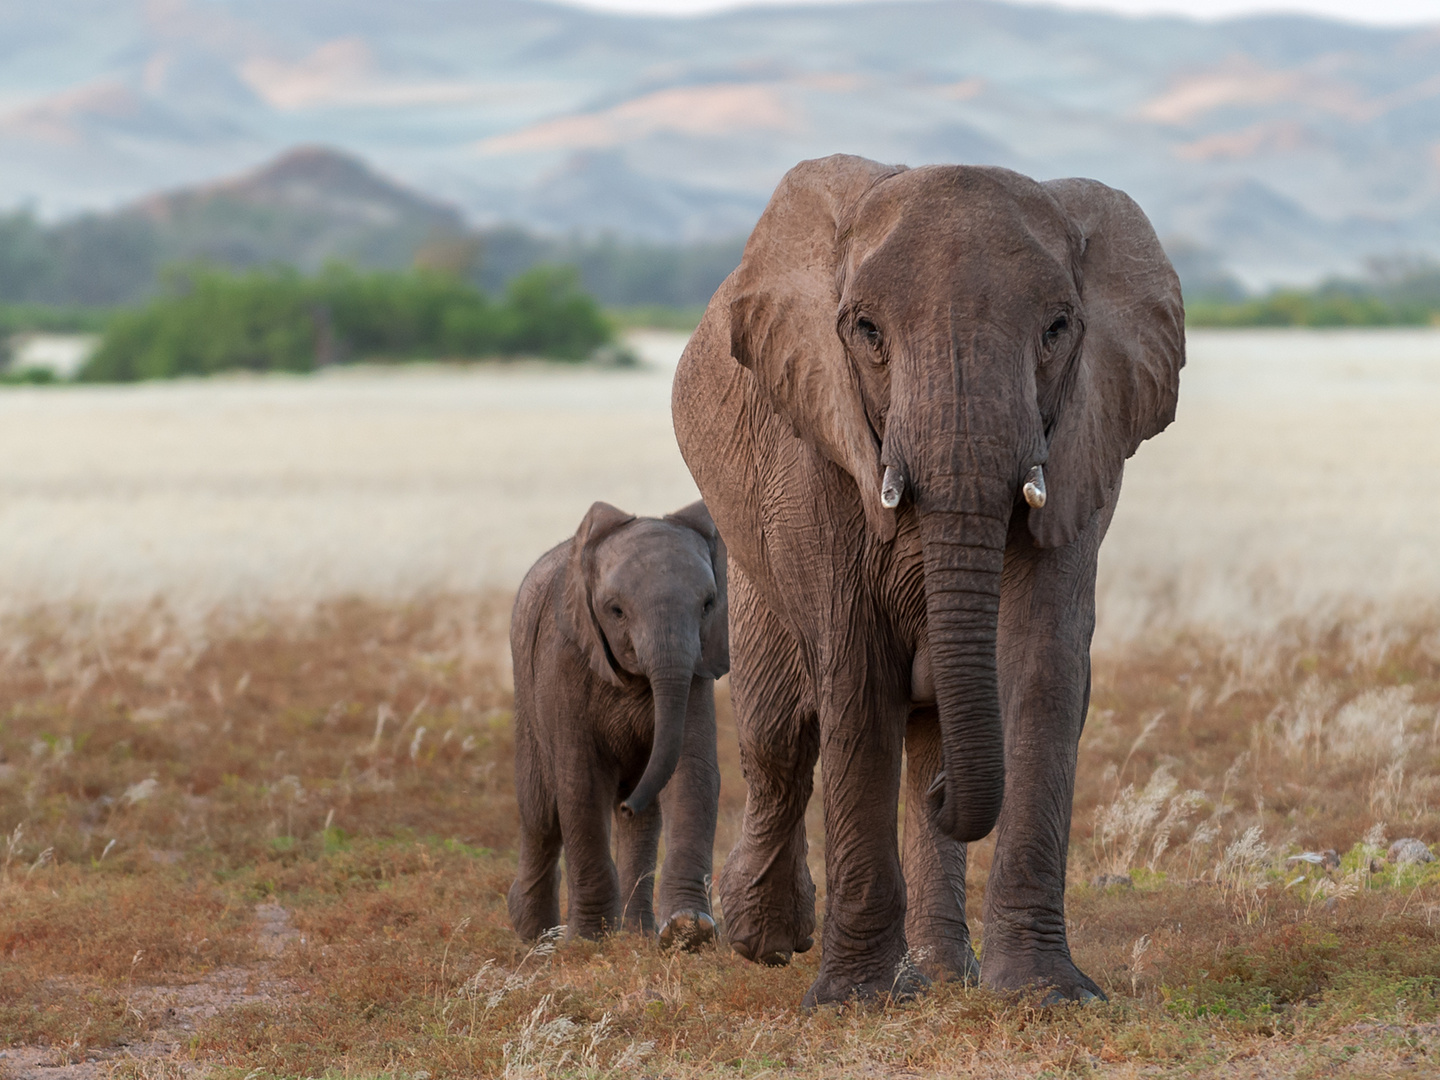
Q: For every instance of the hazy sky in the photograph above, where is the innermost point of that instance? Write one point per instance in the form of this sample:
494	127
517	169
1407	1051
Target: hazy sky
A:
1370	11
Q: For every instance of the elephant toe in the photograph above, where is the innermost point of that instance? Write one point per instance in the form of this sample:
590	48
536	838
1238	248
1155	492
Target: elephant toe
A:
688	931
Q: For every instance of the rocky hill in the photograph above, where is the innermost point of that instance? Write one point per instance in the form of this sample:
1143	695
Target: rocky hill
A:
1275	149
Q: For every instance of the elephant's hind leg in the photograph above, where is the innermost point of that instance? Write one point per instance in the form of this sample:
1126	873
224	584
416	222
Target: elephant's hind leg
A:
766	892
935	926
637	843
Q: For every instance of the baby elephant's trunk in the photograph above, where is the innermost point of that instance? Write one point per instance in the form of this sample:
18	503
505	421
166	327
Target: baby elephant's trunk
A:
672	696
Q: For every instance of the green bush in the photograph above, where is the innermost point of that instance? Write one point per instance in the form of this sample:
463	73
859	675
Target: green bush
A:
210	320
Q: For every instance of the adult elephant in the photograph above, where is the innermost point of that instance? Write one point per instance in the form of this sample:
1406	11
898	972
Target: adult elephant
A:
866	407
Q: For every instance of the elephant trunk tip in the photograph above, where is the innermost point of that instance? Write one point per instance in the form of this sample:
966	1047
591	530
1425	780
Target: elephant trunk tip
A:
964	820
644	795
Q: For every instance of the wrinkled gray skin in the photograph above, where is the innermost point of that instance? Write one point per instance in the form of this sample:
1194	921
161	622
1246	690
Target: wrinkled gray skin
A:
962	325
618	636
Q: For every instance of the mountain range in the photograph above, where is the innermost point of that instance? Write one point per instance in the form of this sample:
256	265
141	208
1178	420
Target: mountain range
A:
1276	149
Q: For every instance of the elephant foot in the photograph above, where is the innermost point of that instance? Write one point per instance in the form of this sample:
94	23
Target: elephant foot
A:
1056	974
769	917
530	917
907	983
592	927
947	961
688	931
768	951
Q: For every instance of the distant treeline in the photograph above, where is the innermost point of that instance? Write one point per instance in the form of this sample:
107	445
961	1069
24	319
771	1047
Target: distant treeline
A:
209	319
1395	294
120	259
617	273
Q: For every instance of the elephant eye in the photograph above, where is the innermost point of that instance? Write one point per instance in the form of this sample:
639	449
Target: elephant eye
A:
709	606
871	332
616	610
1054	330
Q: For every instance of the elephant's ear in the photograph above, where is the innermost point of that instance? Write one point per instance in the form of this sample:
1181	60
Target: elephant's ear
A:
578	611
783	318
1128	374
715	638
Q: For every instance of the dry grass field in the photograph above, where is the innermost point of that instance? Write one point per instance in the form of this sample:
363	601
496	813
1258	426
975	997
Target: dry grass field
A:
255	743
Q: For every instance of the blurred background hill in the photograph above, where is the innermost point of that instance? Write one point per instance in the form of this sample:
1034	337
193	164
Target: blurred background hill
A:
497	134
313	206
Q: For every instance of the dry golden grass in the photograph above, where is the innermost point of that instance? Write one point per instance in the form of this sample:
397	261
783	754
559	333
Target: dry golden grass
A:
221	859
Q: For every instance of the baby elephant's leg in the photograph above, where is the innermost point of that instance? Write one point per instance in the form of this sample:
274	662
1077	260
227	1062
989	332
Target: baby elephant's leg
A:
689	805
637	840
586	795
534	899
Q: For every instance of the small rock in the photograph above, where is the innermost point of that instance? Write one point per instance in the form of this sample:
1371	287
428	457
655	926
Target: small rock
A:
1408	849
140	792
1377	865
1104	881
1328	859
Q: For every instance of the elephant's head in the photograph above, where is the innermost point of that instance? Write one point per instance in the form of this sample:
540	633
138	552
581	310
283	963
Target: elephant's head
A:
938	333
645	598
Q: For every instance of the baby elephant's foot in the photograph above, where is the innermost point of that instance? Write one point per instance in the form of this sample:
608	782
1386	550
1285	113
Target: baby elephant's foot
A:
689	931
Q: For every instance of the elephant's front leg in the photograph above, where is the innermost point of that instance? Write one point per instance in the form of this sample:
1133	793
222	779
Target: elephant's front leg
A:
863	943
765	889
690	803
935	924
1047	618
637	839
585	799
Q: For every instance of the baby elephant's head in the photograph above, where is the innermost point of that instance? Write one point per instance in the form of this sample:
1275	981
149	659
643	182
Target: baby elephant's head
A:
645	598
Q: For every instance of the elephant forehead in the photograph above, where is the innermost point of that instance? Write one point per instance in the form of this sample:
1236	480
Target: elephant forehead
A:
654	556
959	214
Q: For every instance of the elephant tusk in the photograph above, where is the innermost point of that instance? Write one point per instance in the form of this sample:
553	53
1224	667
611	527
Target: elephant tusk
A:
937	786
892	487
1035	487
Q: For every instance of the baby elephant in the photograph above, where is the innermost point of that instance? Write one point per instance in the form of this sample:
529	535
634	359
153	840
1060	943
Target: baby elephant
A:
618	636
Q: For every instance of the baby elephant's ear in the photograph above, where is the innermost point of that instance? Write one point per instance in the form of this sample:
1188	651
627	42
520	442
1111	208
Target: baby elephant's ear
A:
578	611
715	635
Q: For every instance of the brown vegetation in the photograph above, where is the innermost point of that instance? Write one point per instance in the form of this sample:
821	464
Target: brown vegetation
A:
280	848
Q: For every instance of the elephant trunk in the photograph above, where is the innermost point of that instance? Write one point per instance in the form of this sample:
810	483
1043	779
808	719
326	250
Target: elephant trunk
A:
671	691
964	553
